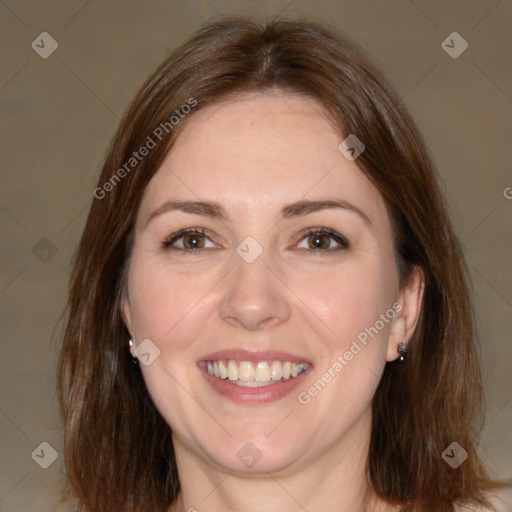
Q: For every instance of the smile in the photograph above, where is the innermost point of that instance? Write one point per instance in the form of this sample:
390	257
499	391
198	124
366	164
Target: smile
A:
255	374
254	377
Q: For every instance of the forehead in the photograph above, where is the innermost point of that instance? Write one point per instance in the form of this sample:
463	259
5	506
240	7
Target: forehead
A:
257	152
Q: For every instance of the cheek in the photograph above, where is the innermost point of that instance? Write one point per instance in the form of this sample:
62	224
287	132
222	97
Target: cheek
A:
351	302
350	299
351	360
170	309
166	304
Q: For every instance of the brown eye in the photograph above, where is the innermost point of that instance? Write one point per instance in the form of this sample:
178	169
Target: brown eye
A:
187	240
320	241
192	241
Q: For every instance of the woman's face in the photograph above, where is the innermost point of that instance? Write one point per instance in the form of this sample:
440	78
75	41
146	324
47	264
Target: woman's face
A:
251	285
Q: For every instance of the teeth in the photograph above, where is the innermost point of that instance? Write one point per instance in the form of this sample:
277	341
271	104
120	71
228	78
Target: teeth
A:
232	371
262	372
255	374
287	370
276	370
246	371
223	371
253	384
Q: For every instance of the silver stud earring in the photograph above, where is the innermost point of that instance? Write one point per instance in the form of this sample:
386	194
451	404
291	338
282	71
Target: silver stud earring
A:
135	361
402	350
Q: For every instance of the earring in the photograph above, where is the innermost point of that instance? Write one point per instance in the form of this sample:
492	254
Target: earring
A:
402	350
135	361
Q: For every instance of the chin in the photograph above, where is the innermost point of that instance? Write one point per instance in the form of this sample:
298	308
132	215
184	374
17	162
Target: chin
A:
260	451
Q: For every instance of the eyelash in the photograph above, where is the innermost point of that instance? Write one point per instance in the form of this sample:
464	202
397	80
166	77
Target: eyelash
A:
340	240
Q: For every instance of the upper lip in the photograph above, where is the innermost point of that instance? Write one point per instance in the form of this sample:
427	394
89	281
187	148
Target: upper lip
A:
254	356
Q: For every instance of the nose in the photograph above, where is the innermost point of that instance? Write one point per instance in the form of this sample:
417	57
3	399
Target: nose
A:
254	296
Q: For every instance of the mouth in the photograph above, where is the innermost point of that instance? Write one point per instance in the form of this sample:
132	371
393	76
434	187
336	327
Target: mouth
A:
249	374
253	377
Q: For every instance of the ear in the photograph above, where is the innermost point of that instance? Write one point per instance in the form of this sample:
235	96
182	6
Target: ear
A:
408	312
126	314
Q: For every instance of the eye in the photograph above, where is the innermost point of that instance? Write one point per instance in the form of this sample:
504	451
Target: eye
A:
190	239
319	240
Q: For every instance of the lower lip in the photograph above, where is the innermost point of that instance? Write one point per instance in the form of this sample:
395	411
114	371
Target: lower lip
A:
258	395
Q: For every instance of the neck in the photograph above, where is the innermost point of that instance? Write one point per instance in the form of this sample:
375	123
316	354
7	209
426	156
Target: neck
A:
334	481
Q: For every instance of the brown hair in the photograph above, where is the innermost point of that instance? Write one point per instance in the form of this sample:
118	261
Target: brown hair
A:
118	449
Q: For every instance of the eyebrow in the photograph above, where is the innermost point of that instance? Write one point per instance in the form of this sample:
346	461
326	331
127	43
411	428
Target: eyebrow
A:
294	210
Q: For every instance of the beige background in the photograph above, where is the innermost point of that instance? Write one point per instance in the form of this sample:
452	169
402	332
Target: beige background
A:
59	114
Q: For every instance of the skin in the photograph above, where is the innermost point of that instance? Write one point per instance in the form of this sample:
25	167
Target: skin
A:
253	155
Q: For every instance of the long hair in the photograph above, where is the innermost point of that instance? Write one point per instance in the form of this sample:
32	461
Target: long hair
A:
118	449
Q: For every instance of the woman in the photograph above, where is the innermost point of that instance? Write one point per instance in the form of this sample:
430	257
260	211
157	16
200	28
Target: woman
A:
269	308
